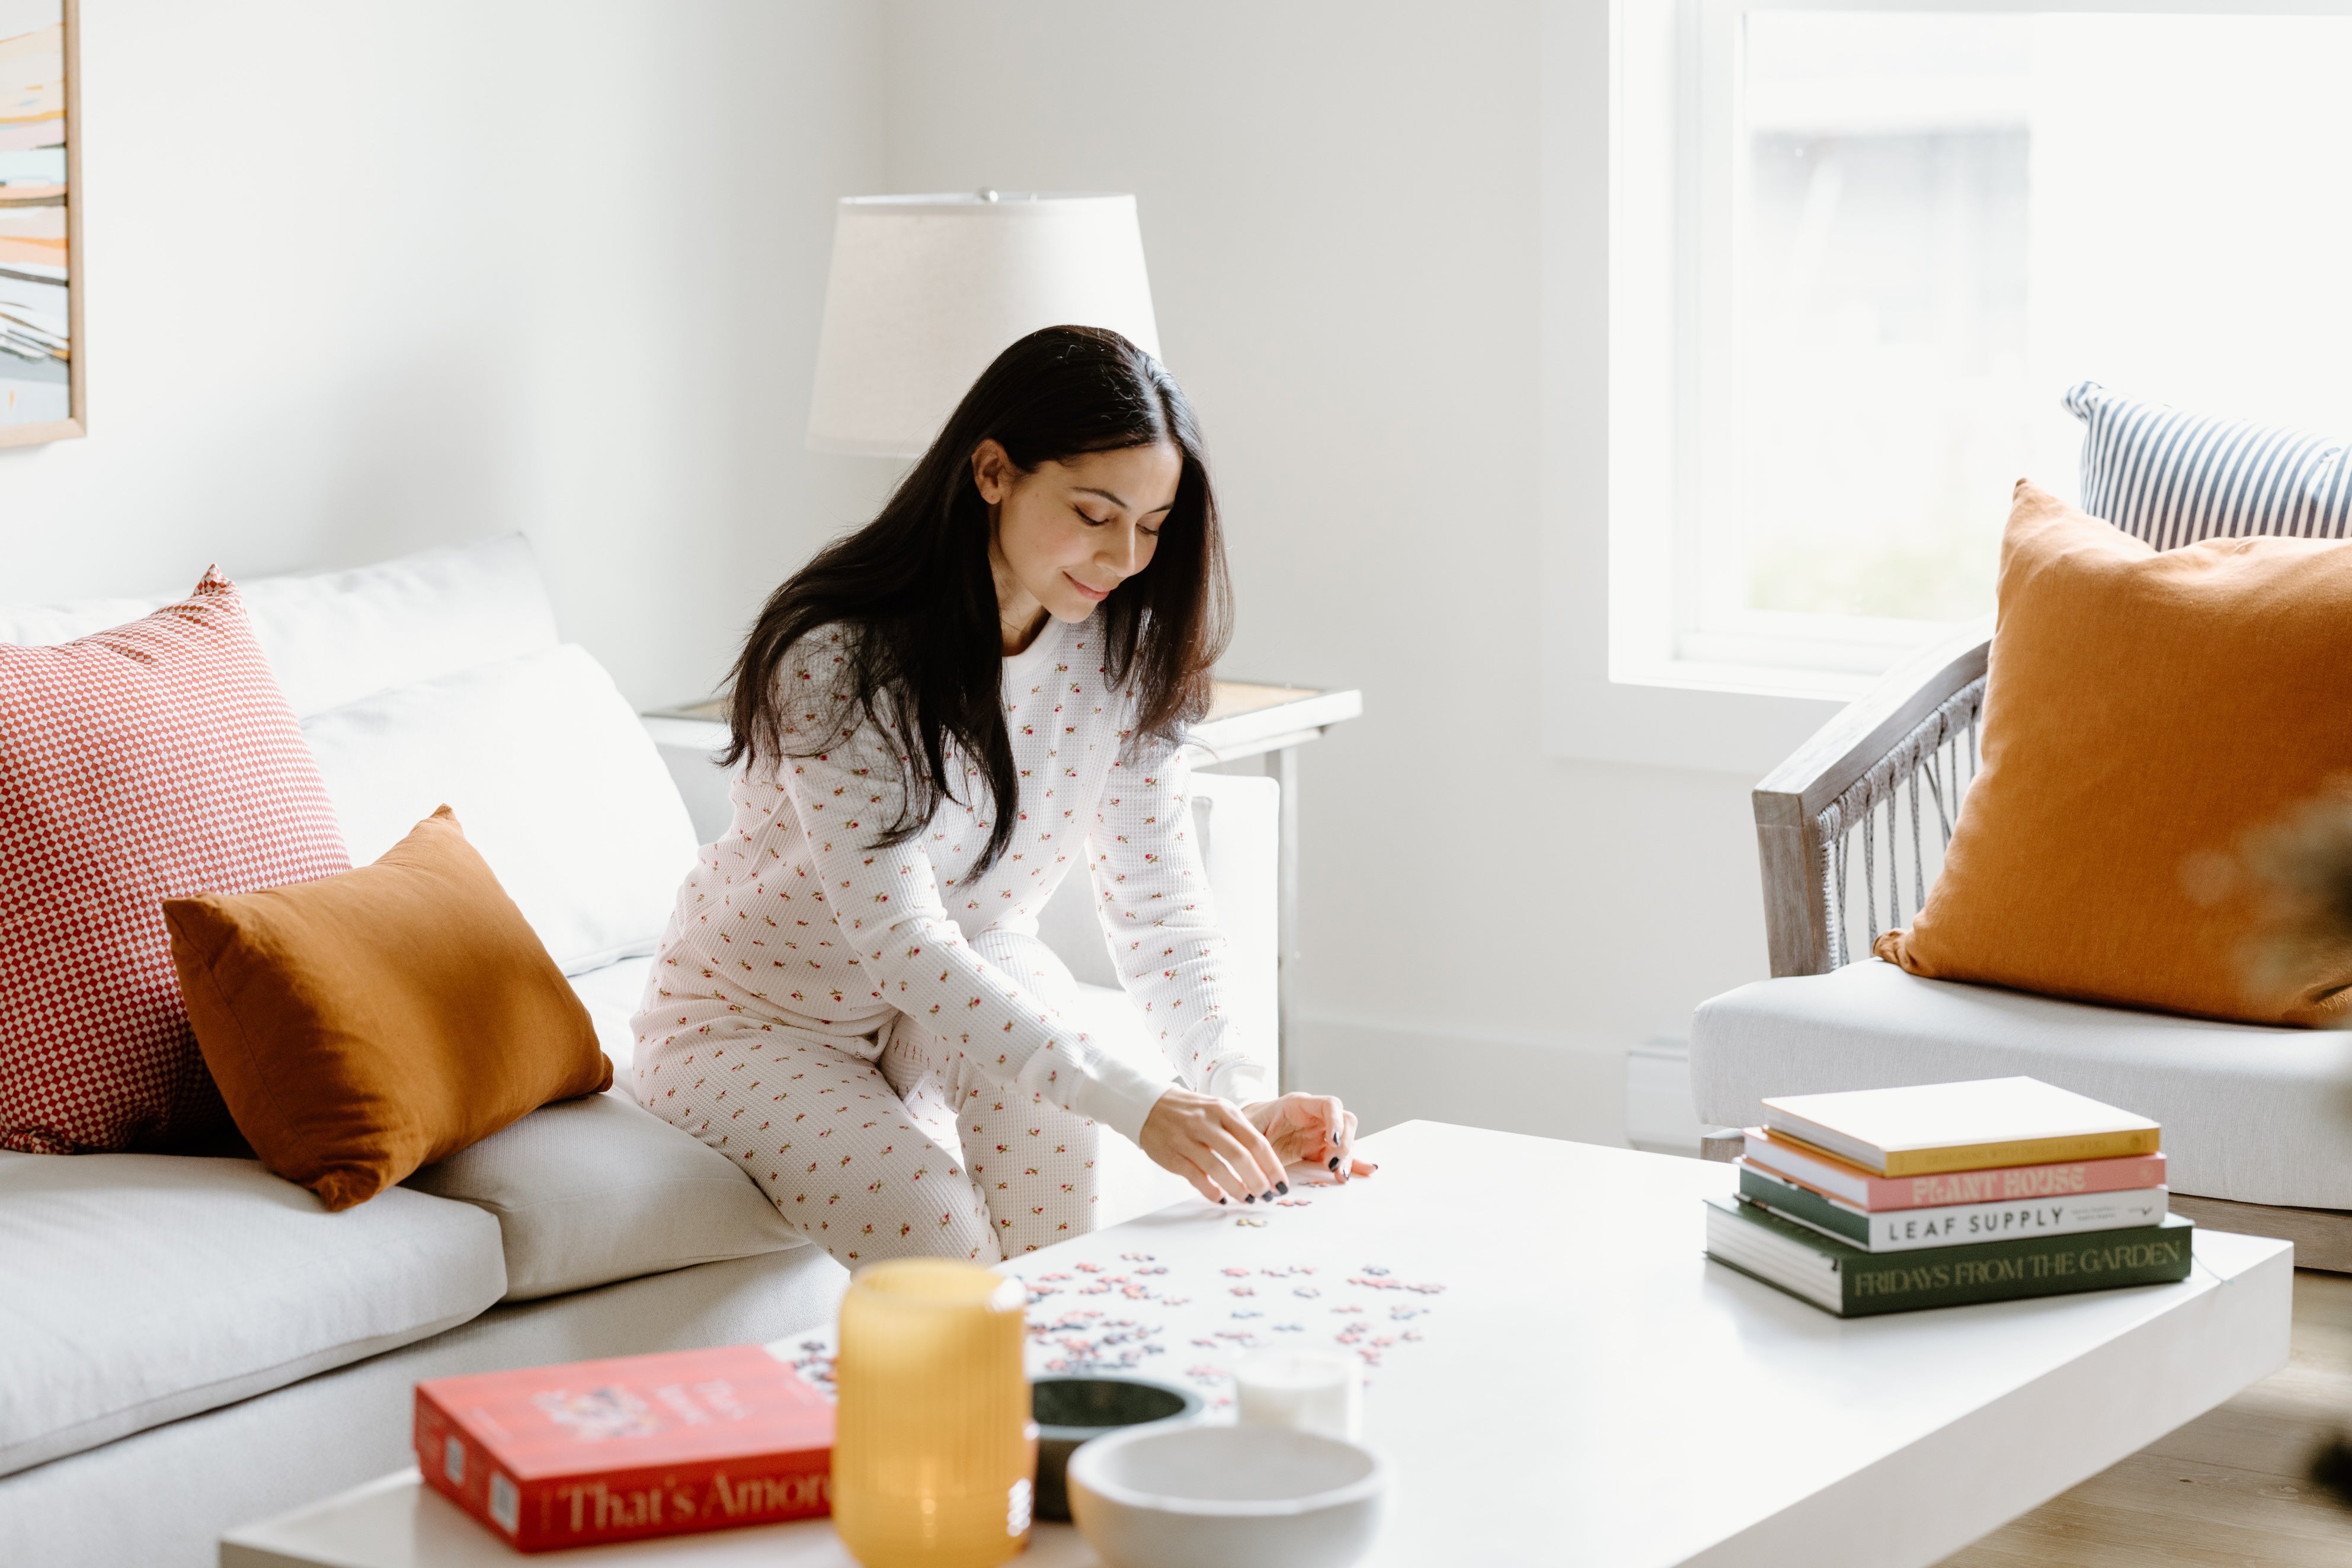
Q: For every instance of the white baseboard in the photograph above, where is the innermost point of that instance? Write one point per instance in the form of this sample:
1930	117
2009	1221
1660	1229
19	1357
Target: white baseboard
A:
1388	1071
1659	1107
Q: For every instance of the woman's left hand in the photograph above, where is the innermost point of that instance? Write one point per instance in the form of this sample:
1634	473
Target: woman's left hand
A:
1310	1130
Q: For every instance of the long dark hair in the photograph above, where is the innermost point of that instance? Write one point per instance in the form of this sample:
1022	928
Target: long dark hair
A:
925	659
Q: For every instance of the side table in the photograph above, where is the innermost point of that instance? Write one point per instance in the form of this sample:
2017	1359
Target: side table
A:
1246	719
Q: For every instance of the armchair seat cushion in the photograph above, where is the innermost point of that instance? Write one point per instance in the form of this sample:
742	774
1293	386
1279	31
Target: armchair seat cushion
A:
2253	1114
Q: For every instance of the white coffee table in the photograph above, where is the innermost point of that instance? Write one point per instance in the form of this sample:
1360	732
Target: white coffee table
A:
1588	1388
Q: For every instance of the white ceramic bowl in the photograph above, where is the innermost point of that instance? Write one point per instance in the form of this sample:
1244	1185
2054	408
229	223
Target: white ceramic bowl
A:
1226	1496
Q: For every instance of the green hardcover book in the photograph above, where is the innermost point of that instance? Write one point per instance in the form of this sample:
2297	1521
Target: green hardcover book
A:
1856	1284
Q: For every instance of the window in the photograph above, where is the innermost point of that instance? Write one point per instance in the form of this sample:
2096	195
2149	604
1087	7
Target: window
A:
1859	255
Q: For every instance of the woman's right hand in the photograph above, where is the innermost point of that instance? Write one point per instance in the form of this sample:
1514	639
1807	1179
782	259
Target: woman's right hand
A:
1210	1144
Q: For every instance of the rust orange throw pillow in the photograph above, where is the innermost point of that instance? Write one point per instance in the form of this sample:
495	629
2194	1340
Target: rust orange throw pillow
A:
377	1021
2144	712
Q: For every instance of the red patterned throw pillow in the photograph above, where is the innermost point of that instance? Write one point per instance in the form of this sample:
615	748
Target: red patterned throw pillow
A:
151	762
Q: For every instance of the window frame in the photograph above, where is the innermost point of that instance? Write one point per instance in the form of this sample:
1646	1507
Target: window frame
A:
1640	223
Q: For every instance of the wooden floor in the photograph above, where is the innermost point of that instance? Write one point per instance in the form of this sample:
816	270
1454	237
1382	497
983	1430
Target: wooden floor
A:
2231	1488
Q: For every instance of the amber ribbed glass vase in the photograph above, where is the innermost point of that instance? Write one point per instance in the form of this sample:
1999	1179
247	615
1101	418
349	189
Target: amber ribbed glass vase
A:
934	1455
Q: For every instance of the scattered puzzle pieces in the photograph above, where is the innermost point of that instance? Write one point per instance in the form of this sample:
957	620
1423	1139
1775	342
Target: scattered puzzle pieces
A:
1086	1339
1121	1316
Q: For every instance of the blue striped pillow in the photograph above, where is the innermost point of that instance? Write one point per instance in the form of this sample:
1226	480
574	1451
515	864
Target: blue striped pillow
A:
2173	477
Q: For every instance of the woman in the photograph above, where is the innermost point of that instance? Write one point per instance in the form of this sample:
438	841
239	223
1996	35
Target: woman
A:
941	715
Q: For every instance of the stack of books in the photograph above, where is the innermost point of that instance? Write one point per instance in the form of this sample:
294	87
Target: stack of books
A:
1888	1200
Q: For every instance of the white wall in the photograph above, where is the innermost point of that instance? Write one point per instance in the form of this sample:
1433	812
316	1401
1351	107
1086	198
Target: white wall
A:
363	278
1340	205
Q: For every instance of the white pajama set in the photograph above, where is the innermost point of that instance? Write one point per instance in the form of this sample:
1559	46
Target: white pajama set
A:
879	1037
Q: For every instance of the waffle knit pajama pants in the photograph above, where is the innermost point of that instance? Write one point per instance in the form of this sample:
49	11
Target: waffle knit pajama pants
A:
894	1144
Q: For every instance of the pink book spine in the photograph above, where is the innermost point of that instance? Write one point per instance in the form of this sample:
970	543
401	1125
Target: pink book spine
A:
2009	1182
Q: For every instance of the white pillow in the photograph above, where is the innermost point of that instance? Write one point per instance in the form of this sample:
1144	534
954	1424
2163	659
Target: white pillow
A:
553	779
42	625
333	637
338	637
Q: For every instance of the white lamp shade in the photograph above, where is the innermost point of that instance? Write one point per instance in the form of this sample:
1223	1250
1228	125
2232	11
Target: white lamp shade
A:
926	290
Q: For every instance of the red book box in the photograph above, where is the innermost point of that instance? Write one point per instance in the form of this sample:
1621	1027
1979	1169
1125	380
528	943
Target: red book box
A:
621	1450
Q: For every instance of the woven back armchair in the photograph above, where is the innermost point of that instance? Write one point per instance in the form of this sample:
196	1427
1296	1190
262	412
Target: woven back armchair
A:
1852	830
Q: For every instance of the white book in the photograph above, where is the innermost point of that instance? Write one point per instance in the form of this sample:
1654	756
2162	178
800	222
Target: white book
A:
1956	1224
1923	1129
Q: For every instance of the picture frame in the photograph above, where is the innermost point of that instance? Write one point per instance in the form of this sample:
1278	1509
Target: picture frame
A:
44	368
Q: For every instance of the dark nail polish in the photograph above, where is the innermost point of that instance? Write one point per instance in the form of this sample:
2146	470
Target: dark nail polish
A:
1249	1197
1335	1162
1267	1197
1282	1187
1221	1202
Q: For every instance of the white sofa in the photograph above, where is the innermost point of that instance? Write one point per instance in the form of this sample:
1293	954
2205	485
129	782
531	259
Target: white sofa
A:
187	1343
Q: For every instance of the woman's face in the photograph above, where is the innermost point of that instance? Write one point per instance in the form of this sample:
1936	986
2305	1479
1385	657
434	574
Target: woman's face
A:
1065	534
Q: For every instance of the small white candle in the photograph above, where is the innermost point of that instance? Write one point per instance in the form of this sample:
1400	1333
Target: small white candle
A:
1307	1390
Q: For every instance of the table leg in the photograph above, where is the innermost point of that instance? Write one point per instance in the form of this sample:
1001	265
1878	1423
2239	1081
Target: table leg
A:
1283	762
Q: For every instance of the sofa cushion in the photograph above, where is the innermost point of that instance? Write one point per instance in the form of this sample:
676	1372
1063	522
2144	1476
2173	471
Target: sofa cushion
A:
143	1287
335	637
558	785
365	1025
141	763
2259	1115
593	1190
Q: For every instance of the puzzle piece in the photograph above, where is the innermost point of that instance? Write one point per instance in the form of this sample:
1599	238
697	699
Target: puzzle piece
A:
813	1361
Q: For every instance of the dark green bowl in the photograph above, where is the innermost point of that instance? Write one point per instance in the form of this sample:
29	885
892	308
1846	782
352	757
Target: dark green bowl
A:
1069	1410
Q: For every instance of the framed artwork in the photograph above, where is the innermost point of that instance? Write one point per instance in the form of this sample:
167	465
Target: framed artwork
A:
41	373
